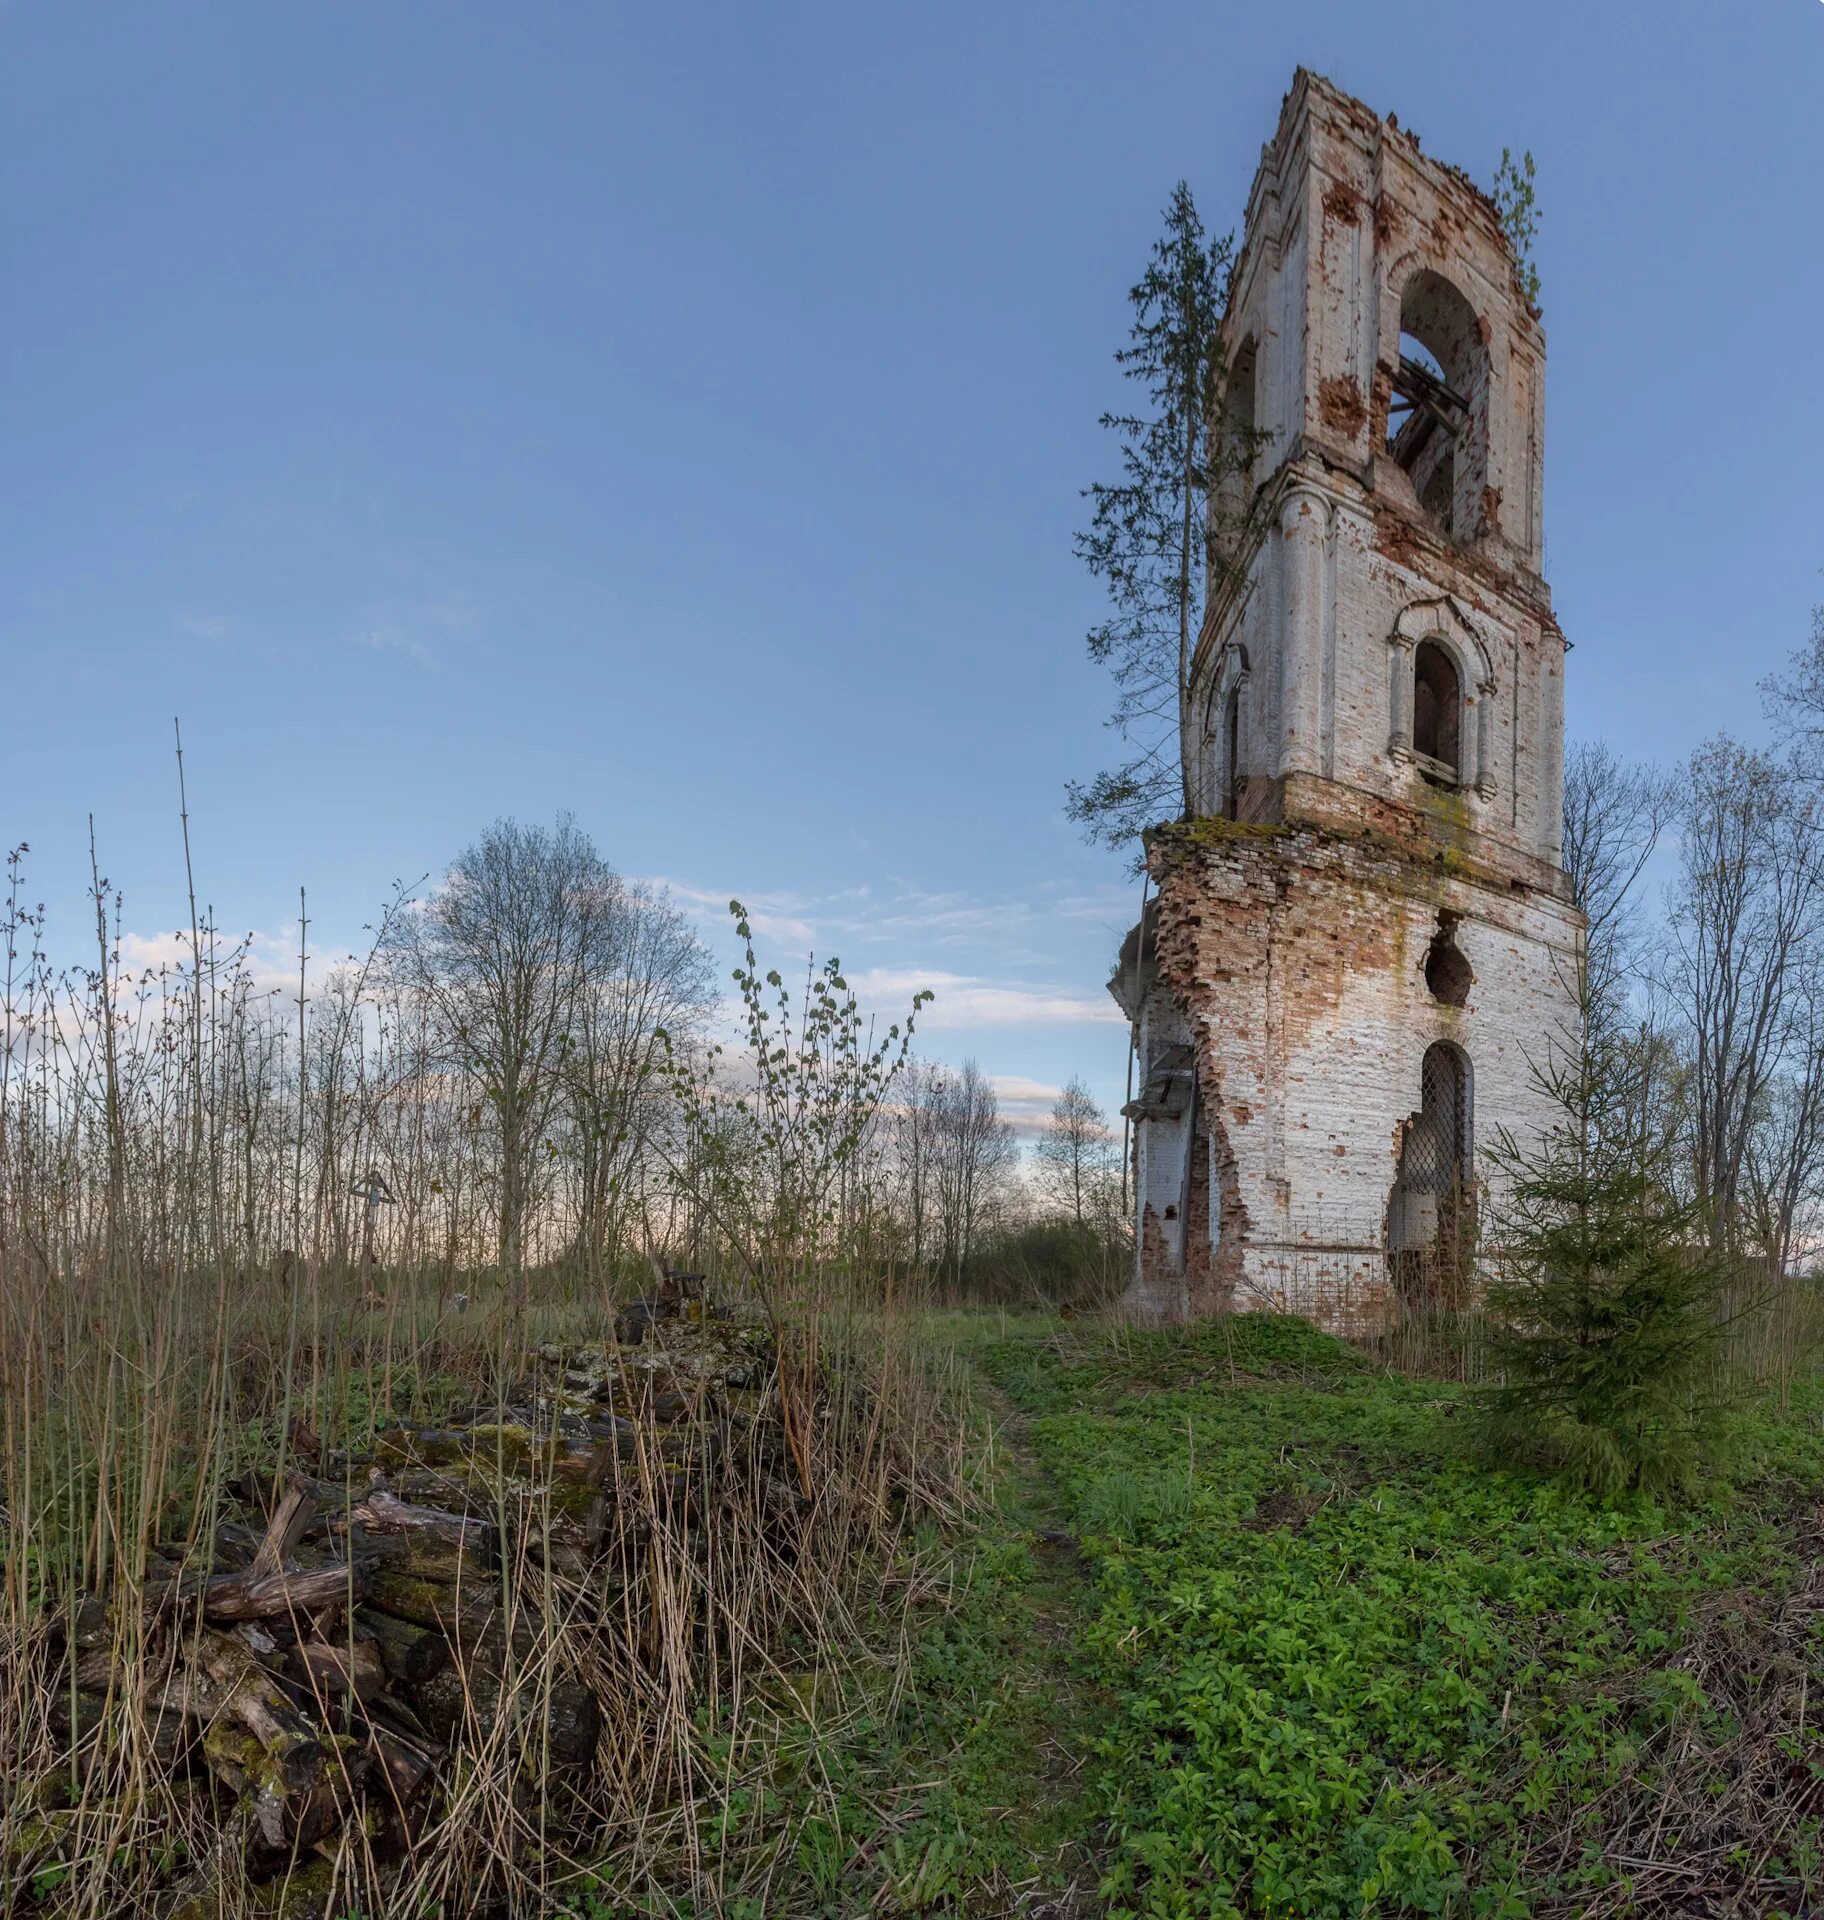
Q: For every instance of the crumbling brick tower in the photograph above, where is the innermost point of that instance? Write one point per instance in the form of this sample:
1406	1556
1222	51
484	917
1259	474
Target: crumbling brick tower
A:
1362	945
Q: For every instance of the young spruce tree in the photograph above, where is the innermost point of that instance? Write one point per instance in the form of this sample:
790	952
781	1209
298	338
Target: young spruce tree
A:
1149	537
1605	1325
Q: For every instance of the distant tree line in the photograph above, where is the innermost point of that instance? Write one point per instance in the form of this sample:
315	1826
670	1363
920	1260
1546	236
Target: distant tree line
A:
522	1075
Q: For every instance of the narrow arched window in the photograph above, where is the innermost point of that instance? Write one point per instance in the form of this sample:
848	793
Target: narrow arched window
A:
1231	753
1437	709
1444	1116
1236	443
1431	1213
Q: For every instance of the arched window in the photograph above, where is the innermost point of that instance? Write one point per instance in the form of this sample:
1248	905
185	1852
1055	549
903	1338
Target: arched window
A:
1443	1142
1444	1093
1437	709
1231	753
1431	1211
1221	785
1237	443
1436	416
1440	697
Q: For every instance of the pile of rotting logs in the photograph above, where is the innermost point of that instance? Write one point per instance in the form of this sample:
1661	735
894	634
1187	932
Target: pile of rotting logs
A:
363	1614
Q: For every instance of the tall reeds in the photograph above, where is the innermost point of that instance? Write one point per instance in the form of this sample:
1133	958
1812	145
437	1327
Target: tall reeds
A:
245	1227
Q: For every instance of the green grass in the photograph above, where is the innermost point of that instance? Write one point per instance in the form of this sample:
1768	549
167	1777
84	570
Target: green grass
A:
924	1790
1313	1659
1357	1672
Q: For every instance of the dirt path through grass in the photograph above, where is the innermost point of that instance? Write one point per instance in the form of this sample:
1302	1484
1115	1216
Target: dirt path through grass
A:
1051	1712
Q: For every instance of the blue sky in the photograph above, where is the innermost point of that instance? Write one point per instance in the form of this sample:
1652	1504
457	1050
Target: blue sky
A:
677	415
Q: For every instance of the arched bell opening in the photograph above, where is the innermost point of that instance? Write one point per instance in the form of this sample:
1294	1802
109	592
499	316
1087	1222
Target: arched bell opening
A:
1437	426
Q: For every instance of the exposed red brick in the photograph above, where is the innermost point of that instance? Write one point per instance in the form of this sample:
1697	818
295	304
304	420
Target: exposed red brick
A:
1342	204
1340	405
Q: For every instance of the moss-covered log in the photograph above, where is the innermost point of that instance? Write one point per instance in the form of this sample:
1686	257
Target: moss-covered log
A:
548	1715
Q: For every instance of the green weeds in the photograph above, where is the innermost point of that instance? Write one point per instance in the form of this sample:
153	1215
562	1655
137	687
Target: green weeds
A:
1358	1673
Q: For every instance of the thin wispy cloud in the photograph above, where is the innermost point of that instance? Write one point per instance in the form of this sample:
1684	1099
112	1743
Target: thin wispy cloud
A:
1010	978
1025	1104
202	624
965	1002
1016	1086
774	917
420	629
865	916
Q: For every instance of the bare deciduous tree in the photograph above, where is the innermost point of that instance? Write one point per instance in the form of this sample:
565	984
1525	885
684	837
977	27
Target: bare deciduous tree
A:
973	1153
1795	701
1075	1156
504	950
915	1156
1783	1167
1745	909
1614	815
650	977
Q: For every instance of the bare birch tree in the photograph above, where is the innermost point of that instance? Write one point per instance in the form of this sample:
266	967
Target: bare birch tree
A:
1745	908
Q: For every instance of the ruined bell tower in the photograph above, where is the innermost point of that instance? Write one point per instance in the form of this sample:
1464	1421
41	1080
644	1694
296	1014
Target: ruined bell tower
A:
1362	944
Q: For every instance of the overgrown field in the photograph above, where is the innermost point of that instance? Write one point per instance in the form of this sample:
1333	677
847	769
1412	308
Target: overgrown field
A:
1351	1670
1234	1622
394	1626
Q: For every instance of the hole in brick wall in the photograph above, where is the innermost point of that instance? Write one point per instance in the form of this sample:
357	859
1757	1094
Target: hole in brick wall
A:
1447	973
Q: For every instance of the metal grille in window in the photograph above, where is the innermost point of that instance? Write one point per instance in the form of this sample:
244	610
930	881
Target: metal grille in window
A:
1431	1211
1434	1154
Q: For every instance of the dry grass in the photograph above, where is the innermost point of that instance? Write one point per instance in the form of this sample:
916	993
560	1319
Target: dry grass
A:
705	1628
186	1295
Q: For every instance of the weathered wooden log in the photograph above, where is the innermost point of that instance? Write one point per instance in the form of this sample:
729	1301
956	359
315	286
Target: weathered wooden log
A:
566	1537
410	1654
225	1680
80	1718
93	1667
421	1446
383	1512
584	1466
469	1705
454	1486
240	1596
235	1545
426	1556
467	1613
287	1812
630	1443
290	1521
513	1449
89	1623
405	1765
258	1743
339	1666
394	1711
